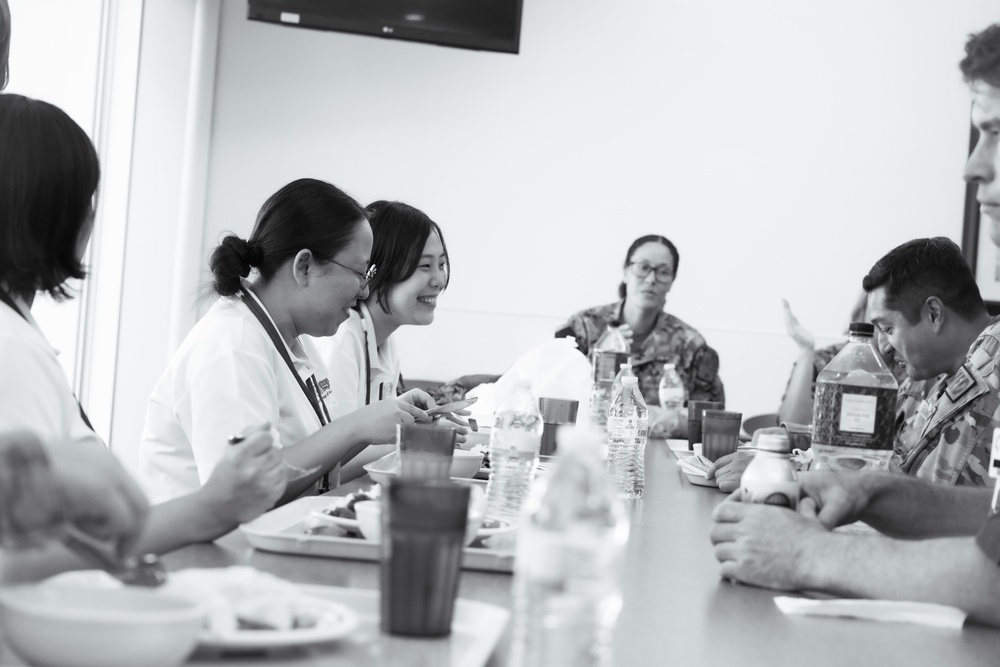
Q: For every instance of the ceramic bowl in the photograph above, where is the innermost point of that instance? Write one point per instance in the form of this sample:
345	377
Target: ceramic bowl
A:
77	626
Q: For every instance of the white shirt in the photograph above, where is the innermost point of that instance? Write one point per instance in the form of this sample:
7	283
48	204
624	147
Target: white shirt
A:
34	392
226	376
344	356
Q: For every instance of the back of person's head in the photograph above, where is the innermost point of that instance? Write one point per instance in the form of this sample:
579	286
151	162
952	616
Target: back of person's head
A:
4	43
48	176
641	241
918	269
400	232
305	214
982	57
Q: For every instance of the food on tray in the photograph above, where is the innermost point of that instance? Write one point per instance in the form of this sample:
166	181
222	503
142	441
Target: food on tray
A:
345	510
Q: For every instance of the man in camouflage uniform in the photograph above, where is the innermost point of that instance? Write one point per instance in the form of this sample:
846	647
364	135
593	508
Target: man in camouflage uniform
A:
942	437
924	299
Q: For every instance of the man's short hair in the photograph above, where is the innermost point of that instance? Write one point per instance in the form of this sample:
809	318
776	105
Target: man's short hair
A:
982	57
922	268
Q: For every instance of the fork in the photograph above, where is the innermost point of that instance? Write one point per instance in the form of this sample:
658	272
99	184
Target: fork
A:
144	570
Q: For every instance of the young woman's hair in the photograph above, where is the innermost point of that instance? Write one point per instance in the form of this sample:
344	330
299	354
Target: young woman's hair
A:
641	241
48	176
305	214
400	233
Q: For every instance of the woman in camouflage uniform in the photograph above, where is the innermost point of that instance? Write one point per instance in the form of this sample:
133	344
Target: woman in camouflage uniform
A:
655	337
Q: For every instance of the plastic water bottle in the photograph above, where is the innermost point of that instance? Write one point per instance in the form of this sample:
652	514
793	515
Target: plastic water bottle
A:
514	443
673	395
628	424
770	478
608	353
624	370
854	410
567	568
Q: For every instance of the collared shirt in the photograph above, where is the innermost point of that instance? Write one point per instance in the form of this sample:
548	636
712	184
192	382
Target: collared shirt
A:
344	355
34	392
225	377
670	341
945	434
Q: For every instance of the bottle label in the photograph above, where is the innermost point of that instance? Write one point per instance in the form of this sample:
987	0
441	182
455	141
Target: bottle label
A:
853	416
627	428
606	365
781	494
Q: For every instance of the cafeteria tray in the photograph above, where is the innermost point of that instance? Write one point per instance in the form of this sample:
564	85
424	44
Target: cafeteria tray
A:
289	529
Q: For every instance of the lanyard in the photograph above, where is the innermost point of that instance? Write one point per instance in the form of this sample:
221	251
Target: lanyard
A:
309	388
10	302
368	360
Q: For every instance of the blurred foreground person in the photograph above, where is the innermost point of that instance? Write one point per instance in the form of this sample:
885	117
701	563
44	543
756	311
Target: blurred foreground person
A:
779	548
49	174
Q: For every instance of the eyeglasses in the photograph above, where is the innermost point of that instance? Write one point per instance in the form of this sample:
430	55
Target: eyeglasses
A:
640	270
365	277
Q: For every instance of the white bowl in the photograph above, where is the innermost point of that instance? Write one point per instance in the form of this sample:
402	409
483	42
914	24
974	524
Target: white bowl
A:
78	626
464	464
370	519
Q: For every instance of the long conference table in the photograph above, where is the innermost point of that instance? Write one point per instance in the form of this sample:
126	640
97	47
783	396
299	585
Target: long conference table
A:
676	609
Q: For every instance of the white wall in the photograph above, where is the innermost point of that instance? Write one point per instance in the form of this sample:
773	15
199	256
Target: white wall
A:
784	146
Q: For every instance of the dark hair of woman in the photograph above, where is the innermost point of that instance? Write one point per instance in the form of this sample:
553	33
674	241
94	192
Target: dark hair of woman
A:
48	178
305	214
641	241
400	232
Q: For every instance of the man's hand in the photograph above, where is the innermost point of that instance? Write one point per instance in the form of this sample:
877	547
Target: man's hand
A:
802	336
839	498
728	470
765	545
248	480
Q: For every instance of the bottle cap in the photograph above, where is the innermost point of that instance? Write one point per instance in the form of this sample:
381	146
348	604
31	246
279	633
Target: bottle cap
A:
623	366
669	367
862	328
773	442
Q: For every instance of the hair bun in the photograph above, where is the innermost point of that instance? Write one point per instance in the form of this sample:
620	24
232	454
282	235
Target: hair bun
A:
232	260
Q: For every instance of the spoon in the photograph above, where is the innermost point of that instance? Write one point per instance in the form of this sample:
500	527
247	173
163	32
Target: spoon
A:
144	570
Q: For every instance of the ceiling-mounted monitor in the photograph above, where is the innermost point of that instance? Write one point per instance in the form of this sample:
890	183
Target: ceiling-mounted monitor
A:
486	25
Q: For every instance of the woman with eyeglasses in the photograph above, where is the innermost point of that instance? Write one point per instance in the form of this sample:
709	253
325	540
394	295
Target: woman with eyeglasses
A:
655	337
250	358
410	251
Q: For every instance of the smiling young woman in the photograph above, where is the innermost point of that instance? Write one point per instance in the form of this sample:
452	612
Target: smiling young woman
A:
413	270
251	357
654	336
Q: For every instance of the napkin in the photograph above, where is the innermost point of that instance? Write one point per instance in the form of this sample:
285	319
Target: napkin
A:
922	613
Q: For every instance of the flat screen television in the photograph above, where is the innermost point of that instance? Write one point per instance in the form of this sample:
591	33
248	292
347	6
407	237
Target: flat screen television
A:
486	25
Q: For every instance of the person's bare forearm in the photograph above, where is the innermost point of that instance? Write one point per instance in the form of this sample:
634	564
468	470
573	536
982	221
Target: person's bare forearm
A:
950	571
904	506
188	519
797	407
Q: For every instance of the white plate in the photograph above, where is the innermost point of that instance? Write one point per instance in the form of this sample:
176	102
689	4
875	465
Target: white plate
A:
340	521
698	480
333	622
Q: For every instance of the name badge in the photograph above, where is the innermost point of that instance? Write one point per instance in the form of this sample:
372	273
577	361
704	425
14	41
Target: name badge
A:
961	383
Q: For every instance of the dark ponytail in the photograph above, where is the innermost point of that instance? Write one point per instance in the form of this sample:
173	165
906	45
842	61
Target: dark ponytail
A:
305	214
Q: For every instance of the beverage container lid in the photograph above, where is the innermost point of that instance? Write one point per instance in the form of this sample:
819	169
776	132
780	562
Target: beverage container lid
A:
669	366
774	442
862	328
624	366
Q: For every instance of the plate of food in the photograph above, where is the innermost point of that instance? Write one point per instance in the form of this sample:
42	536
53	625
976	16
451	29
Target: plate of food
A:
341	513
244	608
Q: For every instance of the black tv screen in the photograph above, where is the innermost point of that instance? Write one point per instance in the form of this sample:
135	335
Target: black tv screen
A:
487	25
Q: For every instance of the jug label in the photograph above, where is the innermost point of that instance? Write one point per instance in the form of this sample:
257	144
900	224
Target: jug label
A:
853	416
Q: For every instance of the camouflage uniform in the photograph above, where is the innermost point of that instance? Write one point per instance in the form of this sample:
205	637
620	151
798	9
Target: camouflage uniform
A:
946	436
670	341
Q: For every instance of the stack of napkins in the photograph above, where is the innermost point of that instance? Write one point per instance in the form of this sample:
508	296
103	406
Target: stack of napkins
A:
923	613
696	465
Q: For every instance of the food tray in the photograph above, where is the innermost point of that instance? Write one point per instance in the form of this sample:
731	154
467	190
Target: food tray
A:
289	529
